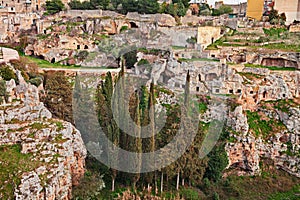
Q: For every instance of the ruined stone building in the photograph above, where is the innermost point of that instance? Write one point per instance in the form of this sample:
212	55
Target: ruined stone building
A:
291	8
20	6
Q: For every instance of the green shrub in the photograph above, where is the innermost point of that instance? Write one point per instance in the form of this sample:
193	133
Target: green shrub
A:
36	81
6	73
3	93
189	194
216	196
130	58
143	62
123	28
217	162
82	55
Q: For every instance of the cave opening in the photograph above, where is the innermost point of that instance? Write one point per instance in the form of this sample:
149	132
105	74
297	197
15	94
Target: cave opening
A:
133	25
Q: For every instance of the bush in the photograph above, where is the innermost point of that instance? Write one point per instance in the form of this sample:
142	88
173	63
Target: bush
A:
123	28
3	93
143	62
216	196
217	162
82	55
36	81
7	73
58	98
189	194
130	58
191	40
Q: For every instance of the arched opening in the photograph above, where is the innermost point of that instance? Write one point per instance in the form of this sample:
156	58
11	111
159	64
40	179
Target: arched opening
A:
210	76
212	40
41	57
78	46
199	77
86	47
78	19
53	60
133	25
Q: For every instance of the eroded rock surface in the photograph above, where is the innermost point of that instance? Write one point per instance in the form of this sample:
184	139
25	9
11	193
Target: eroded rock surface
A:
55	146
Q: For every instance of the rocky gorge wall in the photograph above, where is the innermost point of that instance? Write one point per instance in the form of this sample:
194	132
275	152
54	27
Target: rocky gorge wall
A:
53	150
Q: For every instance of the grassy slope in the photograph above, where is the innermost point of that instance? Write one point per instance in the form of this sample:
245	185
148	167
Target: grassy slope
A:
12	164
45	64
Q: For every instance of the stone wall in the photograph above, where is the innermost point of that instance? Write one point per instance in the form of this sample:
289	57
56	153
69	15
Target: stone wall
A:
207	35
179	35
291	9
294	28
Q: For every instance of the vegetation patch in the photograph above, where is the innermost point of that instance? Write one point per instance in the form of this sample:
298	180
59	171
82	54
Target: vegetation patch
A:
282	105
3	94
198	59
59	125
274	68
45	64
38	126
143	62
7	73
250	76
263	127
12	165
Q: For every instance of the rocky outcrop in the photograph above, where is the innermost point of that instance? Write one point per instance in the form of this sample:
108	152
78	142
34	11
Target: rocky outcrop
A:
55	146
8	54
247	151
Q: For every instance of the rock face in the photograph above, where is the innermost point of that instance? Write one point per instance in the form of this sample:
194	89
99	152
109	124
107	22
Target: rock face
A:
282	146
56	146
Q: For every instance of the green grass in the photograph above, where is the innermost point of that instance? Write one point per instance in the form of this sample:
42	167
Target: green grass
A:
202	107
250	76
59	125
262	127
198	59
274	68
283	105
293	194
283	46
38	126
45	64
12	164
178	47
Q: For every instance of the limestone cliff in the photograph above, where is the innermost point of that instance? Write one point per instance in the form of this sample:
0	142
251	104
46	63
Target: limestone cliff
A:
51	152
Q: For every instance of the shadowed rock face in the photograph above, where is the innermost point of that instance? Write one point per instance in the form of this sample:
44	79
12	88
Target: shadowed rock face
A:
55	146
280	62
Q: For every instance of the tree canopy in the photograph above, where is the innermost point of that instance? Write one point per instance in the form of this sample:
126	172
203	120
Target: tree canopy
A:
54	6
